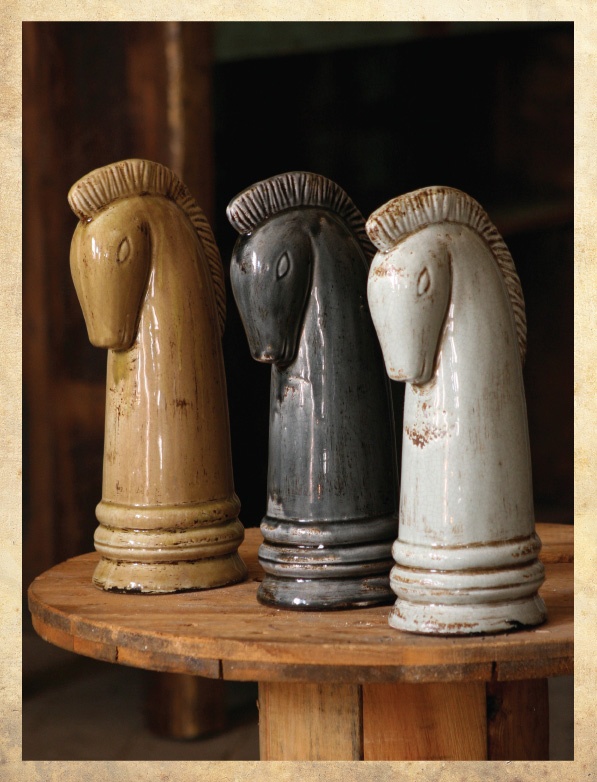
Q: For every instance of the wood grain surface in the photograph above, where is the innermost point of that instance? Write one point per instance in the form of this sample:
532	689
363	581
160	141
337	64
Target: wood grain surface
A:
226	633
435	721
518	720
309	721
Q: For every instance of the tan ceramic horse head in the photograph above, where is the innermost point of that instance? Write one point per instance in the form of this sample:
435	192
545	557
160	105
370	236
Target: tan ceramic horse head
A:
150	282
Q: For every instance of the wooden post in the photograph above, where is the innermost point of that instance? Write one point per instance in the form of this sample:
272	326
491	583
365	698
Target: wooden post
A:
518	720
437	721
306	721
185	707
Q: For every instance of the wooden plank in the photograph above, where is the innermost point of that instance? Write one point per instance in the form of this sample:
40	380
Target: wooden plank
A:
147	83
309	721
445	721
239	670
38	535
169	663
78	399
96	649
518	720
54	635
228	627
518	670
190	56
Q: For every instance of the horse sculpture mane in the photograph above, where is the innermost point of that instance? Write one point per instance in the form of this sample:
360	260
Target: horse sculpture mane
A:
293	190
414	211
127	178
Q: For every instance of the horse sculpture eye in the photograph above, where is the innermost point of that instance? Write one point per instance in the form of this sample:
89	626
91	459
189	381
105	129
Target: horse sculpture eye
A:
124	250
283	266
424	282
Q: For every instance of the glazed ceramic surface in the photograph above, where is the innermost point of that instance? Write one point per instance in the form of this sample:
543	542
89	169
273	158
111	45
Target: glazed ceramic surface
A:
150	282
299	276
449	312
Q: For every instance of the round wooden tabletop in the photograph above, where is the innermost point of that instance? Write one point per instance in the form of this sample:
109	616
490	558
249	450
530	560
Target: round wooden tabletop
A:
226	633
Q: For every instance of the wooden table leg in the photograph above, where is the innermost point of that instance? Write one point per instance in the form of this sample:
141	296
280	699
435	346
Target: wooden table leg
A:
181	706
431	721
518	720
307	721
435	721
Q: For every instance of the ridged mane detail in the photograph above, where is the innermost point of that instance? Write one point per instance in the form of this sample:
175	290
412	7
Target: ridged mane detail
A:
250	208
414	211
134	177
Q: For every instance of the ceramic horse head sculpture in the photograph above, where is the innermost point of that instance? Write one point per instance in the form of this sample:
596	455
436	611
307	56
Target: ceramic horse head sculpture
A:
299	276
150	282
449	312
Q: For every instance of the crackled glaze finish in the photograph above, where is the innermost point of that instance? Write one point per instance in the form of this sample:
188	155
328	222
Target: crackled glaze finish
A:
449	312
149	280
299	277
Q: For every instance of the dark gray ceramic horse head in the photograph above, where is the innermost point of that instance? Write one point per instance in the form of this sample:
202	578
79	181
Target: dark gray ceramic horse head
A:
271	278
299	277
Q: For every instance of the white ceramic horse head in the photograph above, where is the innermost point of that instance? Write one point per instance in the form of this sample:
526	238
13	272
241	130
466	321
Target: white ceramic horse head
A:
449	312
150	282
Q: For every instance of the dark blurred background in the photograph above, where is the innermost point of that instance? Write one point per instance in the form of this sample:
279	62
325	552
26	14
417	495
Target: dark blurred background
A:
380	108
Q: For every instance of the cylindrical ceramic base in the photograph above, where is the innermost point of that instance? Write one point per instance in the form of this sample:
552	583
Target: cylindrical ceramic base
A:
461	602
169	560
437	619
165	577
317	562
324	594
315	533
317	577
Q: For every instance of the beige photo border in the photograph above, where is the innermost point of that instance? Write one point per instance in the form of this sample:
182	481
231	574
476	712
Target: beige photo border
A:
582	13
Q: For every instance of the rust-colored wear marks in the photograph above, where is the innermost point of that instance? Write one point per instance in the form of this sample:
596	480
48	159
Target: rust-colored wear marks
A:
423	434
386	270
